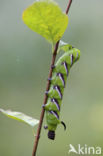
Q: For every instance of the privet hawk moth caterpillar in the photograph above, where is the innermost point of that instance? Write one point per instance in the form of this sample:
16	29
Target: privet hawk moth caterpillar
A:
55	94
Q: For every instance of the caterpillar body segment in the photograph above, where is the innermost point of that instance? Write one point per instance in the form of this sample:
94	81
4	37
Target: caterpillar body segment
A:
65	62
52	118
58	79
69	57
53	104
55	93
62	67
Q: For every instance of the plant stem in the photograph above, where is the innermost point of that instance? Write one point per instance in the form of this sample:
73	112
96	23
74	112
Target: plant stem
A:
68	6
47	88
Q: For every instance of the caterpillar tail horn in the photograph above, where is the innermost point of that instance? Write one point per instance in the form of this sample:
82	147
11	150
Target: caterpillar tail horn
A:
63	125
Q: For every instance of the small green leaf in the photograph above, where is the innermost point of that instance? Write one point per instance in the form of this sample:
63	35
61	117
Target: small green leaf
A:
20	117
47	19
64	46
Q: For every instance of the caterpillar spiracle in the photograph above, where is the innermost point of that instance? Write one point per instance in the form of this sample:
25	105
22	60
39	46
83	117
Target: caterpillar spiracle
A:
55	93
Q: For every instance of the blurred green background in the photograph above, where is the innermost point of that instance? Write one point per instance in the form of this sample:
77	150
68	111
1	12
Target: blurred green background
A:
24	64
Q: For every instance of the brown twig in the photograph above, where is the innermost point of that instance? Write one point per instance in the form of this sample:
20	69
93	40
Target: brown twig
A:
47	88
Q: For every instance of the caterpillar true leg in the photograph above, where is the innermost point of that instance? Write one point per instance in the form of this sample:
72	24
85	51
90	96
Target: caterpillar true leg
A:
45	127
43	106
49	79
52	66
46	92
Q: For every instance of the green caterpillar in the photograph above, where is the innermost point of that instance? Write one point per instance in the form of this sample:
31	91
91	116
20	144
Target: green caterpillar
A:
55	93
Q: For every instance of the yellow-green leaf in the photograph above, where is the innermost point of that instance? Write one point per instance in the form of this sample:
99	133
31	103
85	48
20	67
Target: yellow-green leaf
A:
20	117
47	19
